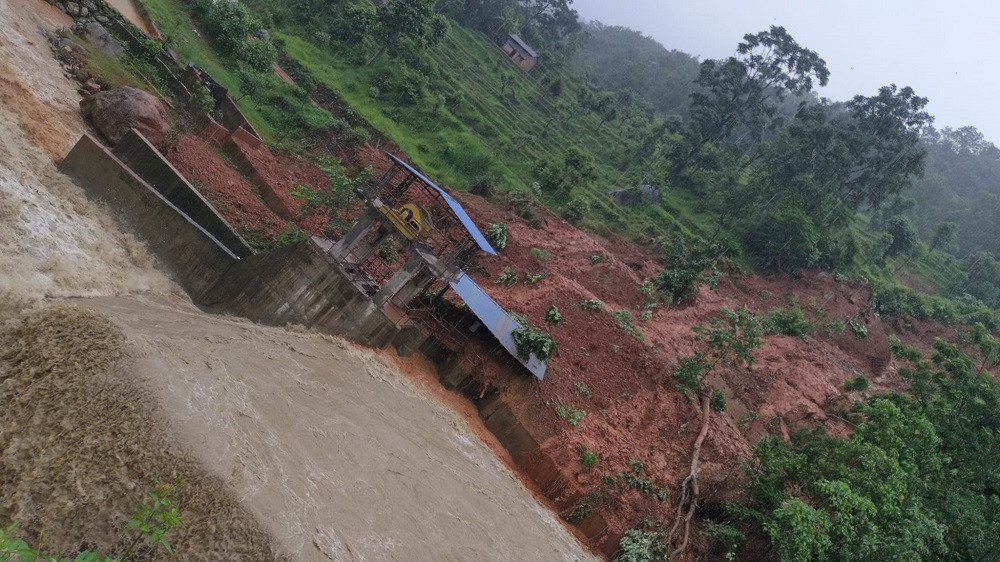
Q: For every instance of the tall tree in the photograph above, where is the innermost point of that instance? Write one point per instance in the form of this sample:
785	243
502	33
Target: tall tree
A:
742	93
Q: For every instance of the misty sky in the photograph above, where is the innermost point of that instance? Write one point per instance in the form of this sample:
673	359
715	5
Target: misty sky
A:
948	51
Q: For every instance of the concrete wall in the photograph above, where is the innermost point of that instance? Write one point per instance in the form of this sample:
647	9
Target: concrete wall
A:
195	258
301	284
147	162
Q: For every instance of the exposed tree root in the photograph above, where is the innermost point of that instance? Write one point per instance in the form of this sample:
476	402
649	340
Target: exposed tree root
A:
688	501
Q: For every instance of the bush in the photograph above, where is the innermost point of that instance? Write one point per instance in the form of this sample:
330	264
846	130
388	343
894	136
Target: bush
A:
229	22
258	54
572	415
507	277
638	545
904	236
497	233
552	316
359	135
787	239
576	209
533	341
789	321
588	458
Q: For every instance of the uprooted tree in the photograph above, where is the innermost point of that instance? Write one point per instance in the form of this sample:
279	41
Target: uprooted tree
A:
727	341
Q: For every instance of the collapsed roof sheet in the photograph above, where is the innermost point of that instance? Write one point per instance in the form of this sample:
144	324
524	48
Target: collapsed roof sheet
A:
496	320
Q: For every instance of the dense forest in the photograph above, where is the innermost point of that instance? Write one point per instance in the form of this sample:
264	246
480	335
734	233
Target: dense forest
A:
753	170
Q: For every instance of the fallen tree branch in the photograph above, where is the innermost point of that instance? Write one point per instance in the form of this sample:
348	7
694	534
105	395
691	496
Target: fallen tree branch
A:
689	486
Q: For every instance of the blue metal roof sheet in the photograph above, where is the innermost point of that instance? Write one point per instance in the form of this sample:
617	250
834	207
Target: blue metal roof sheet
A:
455	206
496	320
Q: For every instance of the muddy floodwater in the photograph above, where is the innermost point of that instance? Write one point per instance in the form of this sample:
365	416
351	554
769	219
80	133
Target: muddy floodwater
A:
128	9
338	455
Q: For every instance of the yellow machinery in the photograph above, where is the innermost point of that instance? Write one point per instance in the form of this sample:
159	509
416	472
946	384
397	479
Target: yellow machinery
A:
411	220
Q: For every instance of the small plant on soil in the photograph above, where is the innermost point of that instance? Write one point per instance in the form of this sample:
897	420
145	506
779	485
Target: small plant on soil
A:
154	520
158	516
596	259
644	544
387	252
591	304
718	402
857	383
582	390
534	341
615	348
632	477
588	458
572	415
539	254
587	504
497	234
661	494
646	315
624	319
534	278
552	316
790	321
858	327
507	277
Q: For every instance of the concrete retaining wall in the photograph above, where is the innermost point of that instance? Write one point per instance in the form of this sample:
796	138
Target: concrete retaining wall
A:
147	162
301	284
195	258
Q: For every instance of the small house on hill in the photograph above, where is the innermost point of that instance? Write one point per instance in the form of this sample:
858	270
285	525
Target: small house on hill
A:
520	52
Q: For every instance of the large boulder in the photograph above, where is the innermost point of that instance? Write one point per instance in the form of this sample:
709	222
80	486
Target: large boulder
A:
114	112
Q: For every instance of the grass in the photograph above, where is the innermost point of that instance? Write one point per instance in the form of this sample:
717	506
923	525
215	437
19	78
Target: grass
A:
183	37
464	128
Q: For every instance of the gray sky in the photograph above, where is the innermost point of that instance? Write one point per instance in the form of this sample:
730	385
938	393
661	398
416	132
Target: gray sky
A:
948	51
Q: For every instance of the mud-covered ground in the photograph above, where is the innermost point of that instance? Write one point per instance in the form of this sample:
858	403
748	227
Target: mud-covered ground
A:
290	445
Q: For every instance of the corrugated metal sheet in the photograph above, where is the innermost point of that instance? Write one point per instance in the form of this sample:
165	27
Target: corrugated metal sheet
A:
496	320
455	206
527	48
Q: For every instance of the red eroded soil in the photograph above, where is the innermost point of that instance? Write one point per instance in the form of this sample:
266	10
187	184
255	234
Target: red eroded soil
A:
279	177
225	188
633	410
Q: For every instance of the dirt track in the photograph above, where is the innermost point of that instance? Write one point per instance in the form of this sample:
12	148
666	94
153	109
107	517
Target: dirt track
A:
292	445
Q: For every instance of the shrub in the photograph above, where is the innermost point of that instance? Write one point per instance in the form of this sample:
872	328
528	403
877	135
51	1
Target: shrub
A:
624	319
786	239
576	209
533	341
497	234
534	278
904	236
718	403
507	277
258	54
572	415
686	271
485	185
588	458
592	304
359	135
582	389
552	316
539	254
789	321
856	383
229	22
596	259
638	545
